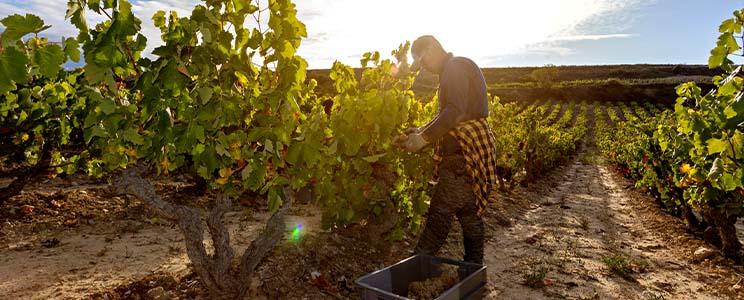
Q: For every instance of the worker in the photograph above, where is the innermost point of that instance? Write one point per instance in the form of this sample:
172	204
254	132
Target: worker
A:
464	149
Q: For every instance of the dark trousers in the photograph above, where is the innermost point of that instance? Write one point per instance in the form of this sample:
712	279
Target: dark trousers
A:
453	196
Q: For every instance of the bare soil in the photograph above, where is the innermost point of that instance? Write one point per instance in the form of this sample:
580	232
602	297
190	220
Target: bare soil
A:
581	232
580	226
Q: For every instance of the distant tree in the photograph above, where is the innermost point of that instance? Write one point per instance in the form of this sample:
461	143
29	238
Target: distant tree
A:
545	76
677	70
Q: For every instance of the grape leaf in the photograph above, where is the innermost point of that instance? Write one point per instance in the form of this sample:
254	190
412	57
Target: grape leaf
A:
49	59
275	199
730	26
716	146
76	14
728	40
124	21
159	19
133	136
12	69
94	5
717	56
17	26
71	49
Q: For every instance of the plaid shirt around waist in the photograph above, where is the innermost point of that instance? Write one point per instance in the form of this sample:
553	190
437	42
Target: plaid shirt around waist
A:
479	150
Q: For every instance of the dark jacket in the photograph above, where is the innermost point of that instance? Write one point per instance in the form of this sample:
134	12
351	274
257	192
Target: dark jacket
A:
462	97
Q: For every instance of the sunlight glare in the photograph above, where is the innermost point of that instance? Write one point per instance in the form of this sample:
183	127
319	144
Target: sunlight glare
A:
470	28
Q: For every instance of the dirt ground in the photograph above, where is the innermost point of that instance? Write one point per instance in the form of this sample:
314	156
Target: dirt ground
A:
585	235
581	232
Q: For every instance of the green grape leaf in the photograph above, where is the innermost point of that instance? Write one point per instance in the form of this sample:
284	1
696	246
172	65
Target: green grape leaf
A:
275	199
159	19
729	26
717	57
131	135
287	50
737	144
49	60
109	4
107	106
727	182
72	50
94	131
730	88
97	74
76	14
722	179
127	23
197	132
108	54
239	4
294	153
206	34
205	94
12	69
728	40
716	145
209	157
94	5
17	26
198	149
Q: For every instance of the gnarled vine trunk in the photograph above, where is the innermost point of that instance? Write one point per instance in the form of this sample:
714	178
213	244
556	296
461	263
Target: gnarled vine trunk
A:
689	216
216	271
726	225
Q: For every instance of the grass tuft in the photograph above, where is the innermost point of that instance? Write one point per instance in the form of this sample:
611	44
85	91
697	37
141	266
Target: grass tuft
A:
536	278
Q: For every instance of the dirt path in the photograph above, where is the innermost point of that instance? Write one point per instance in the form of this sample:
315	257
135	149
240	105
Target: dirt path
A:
558	238
583	220
94	259
619	113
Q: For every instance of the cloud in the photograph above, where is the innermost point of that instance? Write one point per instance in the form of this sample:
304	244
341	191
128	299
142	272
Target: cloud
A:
477	29
342	29
591	37
51	11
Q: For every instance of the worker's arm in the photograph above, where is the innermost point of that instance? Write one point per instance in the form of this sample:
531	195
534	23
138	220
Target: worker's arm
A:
453	98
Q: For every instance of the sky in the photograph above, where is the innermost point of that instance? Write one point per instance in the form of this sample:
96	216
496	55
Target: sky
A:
494	33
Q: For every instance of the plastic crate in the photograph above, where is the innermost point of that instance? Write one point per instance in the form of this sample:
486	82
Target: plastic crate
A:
391	283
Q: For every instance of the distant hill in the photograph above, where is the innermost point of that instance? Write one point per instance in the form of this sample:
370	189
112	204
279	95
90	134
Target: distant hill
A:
596	82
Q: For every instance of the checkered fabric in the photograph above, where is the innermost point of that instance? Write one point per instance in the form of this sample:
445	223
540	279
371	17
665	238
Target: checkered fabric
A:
479	149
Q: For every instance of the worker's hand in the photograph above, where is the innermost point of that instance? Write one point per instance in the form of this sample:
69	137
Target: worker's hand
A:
401	139
415	142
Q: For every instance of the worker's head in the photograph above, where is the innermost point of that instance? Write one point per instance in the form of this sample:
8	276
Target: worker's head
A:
428	53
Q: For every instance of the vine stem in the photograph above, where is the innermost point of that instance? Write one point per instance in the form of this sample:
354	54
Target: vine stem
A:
126	48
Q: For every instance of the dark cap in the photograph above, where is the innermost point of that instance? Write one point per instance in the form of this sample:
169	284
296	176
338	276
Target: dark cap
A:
419	46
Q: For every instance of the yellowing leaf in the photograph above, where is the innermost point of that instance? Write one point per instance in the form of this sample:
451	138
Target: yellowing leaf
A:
164	165
685	168
184	71
225	172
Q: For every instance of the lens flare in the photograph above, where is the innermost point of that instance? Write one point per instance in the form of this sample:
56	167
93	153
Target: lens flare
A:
296	233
